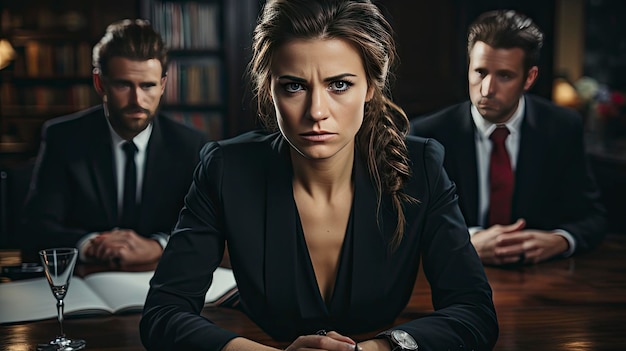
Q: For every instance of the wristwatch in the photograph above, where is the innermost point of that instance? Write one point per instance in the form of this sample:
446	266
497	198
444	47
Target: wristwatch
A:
399	340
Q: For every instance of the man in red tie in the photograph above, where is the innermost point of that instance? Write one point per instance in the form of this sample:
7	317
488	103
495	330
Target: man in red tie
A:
518	160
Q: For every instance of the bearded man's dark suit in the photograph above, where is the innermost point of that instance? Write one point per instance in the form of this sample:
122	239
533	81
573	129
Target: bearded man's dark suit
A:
74	192
554	187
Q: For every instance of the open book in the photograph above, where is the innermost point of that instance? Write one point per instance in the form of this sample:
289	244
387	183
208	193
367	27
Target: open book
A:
97	293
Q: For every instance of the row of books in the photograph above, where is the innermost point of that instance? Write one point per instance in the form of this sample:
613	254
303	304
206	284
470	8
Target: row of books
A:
205	121
194	82
44	15
187	25
40	59
77	96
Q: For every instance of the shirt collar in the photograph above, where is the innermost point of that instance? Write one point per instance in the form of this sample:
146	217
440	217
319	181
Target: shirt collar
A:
140	140
485	128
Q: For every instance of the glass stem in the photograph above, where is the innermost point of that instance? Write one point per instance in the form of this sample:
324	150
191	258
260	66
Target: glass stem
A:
60	316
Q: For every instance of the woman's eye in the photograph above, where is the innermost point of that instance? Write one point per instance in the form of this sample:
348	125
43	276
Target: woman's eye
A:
293	87
340	85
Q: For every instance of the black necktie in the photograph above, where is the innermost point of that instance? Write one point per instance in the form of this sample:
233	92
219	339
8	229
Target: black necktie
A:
129	206
501	179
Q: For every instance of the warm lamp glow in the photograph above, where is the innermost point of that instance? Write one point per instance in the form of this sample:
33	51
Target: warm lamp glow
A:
564	94
6	53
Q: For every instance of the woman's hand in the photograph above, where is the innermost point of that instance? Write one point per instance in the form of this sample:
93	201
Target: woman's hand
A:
331	341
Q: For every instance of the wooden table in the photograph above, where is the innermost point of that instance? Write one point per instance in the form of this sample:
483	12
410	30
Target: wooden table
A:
577	304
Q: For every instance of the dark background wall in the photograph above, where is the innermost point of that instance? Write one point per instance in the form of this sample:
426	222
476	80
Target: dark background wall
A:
431	38
605	39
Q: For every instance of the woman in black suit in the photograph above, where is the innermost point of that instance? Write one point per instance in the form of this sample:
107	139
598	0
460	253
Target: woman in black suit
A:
327	216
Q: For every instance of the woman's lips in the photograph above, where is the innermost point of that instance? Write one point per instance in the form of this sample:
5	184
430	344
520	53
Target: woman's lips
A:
317	136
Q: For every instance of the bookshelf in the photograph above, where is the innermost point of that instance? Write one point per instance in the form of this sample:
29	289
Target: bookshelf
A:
51	73
207	41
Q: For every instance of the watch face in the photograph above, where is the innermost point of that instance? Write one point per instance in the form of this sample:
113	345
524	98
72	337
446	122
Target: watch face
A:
404	339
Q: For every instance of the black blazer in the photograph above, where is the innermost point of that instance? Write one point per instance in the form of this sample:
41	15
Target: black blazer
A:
554	187
73	190
242	194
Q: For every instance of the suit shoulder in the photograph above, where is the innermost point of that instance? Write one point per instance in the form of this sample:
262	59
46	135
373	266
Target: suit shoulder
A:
246	144
424	149
561	116
443	118
73	125
543	105
251	139
74	120
426	159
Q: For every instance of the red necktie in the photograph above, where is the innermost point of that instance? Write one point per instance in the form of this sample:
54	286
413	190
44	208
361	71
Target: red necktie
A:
500	179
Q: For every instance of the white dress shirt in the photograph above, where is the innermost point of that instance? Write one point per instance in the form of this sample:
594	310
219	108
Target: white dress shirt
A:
141	141
483	145
119	163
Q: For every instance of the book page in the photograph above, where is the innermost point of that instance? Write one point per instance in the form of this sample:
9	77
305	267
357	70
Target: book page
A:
126	291
31	300
223	283
98	293
122	291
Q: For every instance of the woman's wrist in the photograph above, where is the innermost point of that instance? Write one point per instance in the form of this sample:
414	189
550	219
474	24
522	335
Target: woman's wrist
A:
375	345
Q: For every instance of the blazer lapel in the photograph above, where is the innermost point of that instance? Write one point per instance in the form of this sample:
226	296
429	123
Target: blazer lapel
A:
103	170
531	151
464	171
156	174
369	262
280	230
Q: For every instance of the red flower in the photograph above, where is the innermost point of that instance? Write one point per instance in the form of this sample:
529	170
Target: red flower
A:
617	98
606	110
613	107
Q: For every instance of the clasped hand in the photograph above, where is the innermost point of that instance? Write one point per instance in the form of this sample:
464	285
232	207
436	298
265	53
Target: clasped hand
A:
333	341
120	248
506	244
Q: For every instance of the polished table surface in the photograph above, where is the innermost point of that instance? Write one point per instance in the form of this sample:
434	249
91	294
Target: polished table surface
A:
575	304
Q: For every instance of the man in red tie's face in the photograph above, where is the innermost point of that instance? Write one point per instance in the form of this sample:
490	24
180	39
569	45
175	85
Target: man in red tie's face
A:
497	79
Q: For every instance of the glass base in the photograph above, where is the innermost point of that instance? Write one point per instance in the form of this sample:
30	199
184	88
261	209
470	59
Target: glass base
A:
63	344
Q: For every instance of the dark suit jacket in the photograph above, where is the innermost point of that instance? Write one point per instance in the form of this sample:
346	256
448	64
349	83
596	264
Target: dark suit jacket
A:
73	190
554	187
242	194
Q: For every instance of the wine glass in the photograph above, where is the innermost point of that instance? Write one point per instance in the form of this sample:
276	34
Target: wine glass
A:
59	265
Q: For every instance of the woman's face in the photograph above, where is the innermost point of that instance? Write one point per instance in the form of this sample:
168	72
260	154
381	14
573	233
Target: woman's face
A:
319	90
